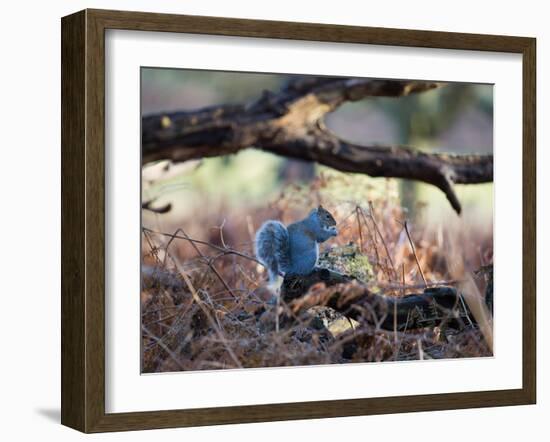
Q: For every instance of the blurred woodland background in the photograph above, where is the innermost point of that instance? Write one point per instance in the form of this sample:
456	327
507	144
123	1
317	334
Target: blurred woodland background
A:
203	301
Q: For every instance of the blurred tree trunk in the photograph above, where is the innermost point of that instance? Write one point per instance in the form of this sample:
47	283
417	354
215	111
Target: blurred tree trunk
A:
296	171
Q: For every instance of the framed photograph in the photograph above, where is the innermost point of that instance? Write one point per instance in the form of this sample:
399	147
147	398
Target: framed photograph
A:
266	221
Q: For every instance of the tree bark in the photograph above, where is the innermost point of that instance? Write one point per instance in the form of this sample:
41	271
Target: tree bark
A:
436	306
291	123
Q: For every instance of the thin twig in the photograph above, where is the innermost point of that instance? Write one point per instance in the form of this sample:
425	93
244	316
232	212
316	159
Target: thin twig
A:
208	315
206	260
227	251
164	347
377	230
393	286
414	253
381	236
359	229
222	239
153	249
404	334
372	237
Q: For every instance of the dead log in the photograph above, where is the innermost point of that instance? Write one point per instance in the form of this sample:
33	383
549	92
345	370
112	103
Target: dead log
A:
291	123
435	306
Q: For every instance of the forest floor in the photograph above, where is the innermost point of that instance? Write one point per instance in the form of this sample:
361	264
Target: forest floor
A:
204	299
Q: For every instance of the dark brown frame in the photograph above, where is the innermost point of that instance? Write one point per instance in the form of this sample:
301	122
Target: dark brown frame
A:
83	216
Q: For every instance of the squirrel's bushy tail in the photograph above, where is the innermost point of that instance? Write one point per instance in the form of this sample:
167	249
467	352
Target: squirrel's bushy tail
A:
272	248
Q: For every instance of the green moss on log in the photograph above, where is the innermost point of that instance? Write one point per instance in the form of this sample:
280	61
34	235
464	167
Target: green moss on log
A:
347	260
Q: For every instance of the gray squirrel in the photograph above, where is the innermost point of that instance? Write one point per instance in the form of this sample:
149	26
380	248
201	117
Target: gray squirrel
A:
294	250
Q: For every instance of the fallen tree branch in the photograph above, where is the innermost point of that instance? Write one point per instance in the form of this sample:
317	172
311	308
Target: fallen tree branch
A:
291	123
433	307
148	205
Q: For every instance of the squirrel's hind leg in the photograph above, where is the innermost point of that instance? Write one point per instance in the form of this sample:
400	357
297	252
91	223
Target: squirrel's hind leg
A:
274	286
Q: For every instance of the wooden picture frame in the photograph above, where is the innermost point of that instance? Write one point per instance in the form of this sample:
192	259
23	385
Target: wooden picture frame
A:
83	220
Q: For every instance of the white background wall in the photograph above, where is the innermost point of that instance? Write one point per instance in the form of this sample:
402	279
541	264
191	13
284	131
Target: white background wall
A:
30	216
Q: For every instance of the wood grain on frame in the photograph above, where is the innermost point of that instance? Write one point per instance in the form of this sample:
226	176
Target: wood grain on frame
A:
83	219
